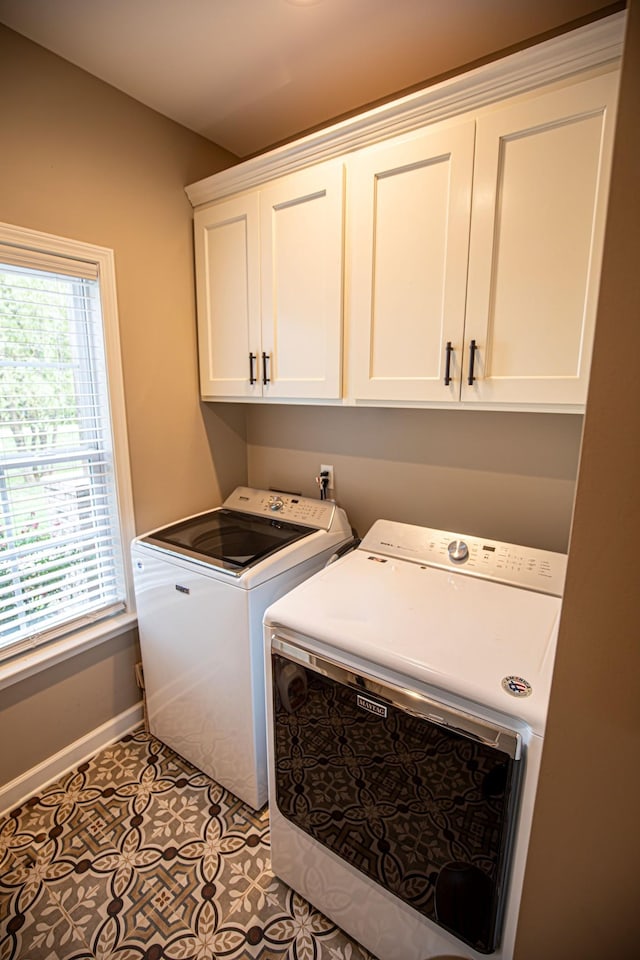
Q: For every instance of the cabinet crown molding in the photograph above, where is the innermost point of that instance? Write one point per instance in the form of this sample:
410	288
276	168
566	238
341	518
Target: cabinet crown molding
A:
596	44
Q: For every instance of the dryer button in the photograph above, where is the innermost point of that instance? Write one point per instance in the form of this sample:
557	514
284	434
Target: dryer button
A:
458	551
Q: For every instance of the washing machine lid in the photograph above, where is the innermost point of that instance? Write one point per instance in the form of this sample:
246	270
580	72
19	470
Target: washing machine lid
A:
255	535
484	641
228	539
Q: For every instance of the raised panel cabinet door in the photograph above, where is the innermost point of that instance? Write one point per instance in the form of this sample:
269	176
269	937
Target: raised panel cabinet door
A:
301	218
409	207
540	193
227	255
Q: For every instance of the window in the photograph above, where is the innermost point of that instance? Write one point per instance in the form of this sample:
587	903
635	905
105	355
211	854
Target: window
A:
65	505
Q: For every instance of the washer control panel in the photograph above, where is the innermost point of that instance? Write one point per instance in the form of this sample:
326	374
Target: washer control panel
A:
540	570
285	506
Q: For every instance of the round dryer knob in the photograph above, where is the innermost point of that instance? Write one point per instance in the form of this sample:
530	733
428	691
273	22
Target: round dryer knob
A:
276	503
458	551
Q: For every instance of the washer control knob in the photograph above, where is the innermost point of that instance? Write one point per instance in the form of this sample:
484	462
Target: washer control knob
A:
458	551
276	503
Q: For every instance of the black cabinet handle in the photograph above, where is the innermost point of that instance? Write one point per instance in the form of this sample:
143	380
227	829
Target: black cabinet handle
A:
447	367
252	378
265	359
472	357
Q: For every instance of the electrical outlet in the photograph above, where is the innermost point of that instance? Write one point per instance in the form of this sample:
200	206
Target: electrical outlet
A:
328	469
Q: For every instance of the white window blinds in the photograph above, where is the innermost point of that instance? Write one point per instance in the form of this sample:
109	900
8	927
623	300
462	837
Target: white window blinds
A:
61	557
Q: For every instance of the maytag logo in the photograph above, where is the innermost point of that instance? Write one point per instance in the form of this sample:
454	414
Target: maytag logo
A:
376	708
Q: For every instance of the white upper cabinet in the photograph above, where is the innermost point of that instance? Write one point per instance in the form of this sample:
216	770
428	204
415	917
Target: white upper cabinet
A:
269	270
409	205
227	257
461	226
476	280
301	219
540	190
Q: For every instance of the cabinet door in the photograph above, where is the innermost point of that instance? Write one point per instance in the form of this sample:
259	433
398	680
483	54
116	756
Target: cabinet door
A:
302	268
539	203
409	208
227	254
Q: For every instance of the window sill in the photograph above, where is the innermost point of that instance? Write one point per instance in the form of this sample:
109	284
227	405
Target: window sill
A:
28	664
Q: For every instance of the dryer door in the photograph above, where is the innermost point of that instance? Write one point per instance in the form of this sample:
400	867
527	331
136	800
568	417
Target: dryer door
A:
416	795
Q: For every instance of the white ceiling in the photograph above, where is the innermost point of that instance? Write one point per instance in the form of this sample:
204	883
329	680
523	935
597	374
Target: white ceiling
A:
247	74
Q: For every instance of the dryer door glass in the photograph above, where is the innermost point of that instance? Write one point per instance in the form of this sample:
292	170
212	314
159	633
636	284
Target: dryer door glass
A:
422	802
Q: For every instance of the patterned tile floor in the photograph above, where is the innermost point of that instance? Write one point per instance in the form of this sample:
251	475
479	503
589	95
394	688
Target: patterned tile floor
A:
136	855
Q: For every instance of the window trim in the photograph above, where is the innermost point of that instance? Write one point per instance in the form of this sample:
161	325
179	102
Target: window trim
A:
41	657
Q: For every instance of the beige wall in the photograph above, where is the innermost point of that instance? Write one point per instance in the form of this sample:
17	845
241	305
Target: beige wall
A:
47	712
508	476
581	887
81	160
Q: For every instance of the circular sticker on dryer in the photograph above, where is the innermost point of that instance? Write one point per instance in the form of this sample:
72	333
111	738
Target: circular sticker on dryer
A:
517	686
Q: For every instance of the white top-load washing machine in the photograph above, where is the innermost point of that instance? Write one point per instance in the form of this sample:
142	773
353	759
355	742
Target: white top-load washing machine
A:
408	685
202	585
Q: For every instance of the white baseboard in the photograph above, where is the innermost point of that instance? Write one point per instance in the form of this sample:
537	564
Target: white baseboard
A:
34	780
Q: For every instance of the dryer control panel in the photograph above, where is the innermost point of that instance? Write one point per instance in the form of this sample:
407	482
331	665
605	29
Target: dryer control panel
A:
527	567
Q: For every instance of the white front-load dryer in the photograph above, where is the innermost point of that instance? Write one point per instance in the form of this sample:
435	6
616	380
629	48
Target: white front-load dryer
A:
408	686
